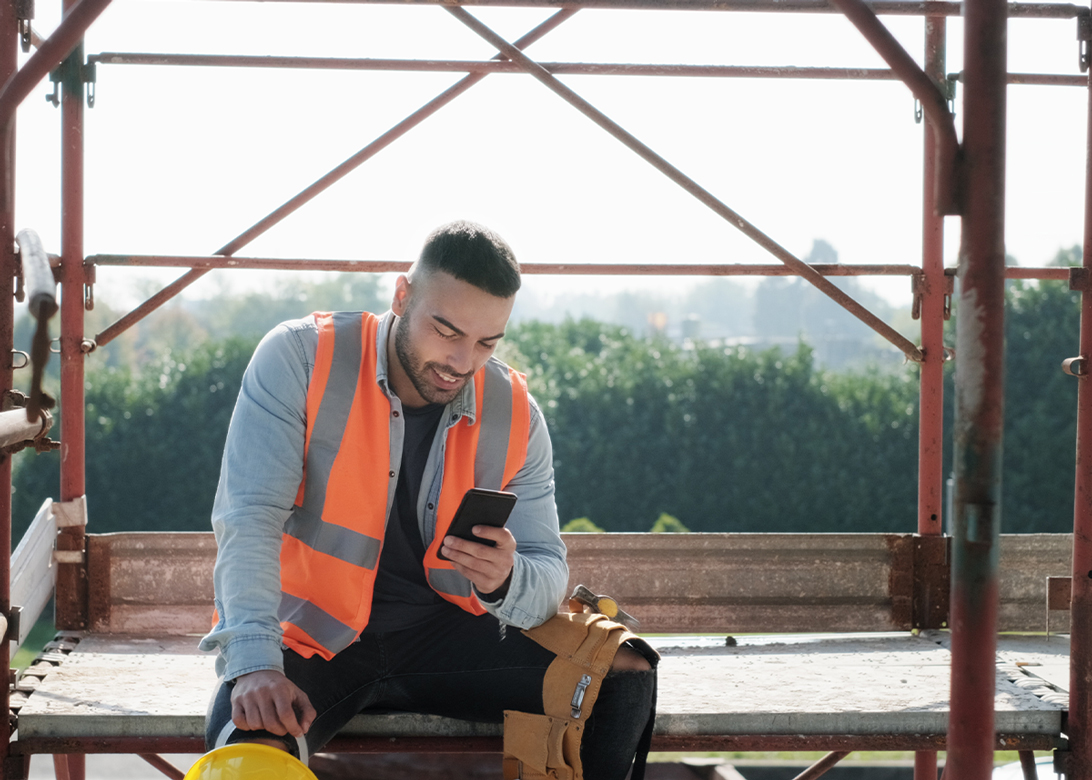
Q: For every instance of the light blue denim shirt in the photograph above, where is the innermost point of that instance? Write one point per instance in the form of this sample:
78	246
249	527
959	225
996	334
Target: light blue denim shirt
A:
260	476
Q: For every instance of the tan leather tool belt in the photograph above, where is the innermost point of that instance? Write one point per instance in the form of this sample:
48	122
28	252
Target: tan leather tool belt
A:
547	747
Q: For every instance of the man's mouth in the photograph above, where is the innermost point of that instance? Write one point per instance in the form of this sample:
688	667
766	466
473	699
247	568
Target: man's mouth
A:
446	378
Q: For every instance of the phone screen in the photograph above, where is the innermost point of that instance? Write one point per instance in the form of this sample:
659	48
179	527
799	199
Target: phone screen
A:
480	507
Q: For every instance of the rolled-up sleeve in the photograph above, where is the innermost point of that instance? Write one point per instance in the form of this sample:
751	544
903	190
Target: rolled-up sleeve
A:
259	477
540	574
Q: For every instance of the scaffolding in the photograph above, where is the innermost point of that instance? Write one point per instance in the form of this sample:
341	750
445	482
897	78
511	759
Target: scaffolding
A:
961	178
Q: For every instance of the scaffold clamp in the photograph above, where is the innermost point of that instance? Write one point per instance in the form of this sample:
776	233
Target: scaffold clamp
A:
1084	36
24	13
1078	279
74	72
12	633
1075	366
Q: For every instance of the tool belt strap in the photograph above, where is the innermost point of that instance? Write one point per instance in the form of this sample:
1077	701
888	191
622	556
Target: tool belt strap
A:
547	747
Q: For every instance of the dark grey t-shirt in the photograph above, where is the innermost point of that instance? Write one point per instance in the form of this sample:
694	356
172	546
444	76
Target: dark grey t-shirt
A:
402	596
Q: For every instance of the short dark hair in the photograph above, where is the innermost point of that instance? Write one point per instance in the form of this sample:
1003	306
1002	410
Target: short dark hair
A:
472	253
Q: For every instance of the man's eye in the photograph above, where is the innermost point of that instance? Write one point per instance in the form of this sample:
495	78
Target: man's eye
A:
443	335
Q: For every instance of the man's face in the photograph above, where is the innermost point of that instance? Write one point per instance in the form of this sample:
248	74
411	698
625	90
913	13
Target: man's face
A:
447	329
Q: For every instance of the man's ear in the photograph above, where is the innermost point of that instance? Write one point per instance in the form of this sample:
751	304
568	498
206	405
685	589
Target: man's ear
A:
402	289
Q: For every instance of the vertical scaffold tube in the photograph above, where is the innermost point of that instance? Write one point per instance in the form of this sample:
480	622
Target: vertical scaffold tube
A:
932	291
70	610
70	599
9	62
1079	724
979	394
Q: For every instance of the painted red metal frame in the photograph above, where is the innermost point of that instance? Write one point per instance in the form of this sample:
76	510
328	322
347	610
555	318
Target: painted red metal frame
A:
1019	10
69	615
970	741
577	269
9	61
823	765
570	269
933	290
673	744
556	68
926	90
484	66
1079	727
979	396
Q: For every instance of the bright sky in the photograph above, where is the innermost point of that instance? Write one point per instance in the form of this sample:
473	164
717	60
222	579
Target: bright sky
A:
181	160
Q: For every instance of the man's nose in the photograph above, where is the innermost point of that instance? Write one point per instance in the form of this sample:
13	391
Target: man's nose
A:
461	358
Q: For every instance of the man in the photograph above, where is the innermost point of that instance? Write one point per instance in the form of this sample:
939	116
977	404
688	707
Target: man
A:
352	441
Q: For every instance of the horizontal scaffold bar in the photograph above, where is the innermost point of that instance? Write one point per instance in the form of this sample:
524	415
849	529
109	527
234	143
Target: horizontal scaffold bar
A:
575	269
557	68
891	7
570	269
347	744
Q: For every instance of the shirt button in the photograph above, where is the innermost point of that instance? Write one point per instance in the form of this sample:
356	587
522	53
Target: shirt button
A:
430	506
392	475
396	414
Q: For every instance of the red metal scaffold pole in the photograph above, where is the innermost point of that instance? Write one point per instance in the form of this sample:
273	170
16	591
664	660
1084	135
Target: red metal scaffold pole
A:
9	60
69	609
1079	724
979	395
933	288
70	590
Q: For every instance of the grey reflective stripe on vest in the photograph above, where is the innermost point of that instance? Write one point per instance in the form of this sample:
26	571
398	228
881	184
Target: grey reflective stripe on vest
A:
328	631
306	523
496	422
449	581
495	418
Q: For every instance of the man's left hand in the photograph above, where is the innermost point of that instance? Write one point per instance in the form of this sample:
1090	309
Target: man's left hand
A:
487	567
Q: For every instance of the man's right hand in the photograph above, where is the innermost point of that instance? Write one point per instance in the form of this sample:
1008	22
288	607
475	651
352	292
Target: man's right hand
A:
269	700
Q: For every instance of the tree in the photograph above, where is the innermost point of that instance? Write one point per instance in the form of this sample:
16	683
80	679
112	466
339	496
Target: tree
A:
1042	321
666	524
725	439
581	525
1041	330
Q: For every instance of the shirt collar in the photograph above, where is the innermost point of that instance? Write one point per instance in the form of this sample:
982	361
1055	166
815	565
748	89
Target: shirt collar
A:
461	406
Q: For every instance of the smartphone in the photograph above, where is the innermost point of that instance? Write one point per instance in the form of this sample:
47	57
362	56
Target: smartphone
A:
480	507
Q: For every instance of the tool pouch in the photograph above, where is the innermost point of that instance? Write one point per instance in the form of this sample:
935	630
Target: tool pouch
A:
547	747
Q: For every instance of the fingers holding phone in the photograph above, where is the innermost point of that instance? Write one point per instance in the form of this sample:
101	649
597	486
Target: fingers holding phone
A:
477	542
487	567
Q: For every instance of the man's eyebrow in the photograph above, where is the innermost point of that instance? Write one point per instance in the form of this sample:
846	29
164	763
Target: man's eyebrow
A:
447	324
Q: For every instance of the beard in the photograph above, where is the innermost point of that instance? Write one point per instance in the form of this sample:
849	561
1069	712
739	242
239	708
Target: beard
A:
420	372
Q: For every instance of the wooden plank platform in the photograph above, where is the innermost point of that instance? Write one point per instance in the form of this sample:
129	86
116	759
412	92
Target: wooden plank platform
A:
136	682
865	685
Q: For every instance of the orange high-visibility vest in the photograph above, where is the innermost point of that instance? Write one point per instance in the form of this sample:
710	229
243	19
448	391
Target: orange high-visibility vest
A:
334	536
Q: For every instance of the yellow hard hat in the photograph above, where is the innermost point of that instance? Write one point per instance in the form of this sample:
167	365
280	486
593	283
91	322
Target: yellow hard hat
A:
249	761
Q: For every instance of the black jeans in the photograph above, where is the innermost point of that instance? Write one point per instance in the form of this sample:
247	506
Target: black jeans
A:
459	666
